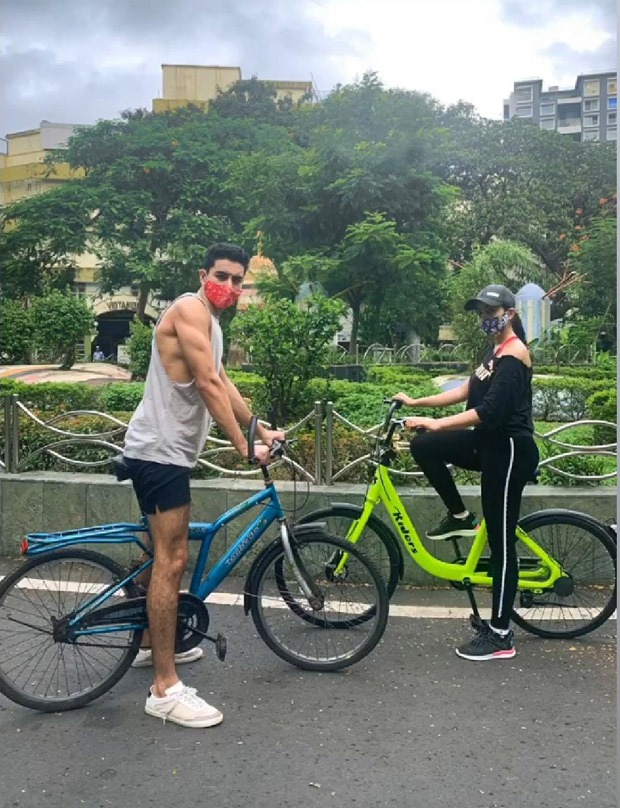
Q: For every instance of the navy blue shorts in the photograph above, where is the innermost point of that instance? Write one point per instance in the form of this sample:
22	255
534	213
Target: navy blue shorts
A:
159	486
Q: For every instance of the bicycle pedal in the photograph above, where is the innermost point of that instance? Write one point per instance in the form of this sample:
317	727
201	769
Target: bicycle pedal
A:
221	646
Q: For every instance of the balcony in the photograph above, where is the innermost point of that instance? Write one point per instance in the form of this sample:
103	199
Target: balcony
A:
569	126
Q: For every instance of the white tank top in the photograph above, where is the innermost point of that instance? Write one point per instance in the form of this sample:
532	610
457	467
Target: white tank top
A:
171	422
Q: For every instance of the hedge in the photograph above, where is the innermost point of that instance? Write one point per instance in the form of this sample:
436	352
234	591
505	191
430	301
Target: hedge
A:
560	398
564	398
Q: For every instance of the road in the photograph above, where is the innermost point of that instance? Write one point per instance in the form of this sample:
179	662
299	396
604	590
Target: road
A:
410	725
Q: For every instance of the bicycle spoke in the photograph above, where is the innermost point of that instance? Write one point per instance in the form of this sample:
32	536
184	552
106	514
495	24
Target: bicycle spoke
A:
34	666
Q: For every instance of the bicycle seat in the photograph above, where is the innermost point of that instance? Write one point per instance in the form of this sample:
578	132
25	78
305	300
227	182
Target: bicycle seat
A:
119	467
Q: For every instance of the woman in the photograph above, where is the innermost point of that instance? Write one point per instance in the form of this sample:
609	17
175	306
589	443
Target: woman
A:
501	446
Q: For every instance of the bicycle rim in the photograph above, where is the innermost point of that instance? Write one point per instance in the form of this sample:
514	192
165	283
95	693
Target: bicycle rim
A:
375	546
39	672
587	557
335	637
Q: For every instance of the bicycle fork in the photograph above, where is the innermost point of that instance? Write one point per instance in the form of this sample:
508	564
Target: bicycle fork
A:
313	596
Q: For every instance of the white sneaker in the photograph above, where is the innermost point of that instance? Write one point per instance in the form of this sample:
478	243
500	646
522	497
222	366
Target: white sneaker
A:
182	706
144	657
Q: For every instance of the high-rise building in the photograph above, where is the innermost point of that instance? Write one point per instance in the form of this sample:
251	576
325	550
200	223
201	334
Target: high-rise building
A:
586	112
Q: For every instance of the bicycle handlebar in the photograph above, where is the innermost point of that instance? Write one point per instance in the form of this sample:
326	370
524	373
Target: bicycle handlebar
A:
277	447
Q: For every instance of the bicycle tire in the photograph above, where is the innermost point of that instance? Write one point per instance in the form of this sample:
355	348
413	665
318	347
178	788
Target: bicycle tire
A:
42	702
570	550
373	583
377	542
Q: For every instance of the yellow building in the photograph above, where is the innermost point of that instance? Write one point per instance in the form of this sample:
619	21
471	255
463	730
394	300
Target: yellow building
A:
23	170
199	84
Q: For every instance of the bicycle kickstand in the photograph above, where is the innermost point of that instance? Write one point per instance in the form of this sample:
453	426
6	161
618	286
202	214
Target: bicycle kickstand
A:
472	600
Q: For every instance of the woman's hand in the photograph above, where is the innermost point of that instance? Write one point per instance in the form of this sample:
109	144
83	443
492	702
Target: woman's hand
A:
429	424
406	400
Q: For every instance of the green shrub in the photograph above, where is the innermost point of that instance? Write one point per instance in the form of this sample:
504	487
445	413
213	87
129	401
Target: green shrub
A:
398	376
564	398
122	396
54	396
33	437
582	465
580	371
603	406
139	345
252	387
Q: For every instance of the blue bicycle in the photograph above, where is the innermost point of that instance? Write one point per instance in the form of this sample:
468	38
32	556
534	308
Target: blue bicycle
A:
71	619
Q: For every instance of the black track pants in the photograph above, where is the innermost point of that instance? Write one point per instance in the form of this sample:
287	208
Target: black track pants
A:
507	464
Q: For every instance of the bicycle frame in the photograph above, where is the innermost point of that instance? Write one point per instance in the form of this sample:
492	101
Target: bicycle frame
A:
382	490
124	533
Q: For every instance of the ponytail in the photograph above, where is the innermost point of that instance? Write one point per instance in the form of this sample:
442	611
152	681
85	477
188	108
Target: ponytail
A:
517	327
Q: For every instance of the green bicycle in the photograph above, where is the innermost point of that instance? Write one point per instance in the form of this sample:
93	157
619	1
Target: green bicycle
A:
567	559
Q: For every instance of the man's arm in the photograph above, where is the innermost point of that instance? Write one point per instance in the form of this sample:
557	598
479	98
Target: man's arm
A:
191	326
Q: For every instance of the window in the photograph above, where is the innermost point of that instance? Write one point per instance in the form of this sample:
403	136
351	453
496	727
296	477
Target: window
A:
612	86
79	290
523	95
524	112
611	118
547	123
592	88
547	108
612	103
590	120
591	106
590	135
611	134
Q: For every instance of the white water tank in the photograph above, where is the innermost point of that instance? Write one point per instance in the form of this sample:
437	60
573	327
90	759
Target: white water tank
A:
535	311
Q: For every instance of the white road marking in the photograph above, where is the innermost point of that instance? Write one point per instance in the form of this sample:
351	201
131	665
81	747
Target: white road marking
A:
231	599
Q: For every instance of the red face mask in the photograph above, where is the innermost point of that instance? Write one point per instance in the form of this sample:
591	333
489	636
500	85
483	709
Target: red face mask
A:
221	295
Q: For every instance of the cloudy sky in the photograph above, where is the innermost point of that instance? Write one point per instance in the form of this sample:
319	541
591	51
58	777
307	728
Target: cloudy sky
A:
75	61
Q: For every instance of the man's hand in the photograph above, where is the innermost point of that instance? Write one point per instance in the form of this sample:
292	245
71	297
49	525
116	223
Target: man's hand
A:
269	435
430	424
261	453
406	400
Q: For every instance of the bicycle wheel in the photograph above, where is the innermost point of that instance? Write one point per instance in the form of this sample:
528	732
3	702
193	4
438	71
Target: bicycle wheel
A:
39	671
322	645
377	541
585	597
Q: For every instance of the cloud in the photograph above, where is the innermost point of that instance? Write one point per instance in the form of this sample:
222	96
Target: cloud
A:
569	61
536	13
80	60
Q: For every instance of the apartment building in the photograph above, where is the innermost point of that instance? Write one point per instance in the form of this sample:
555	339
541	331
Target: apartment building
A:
587	112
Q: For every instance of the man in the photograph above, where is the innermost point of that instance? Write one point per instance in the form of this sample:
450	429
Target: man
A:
186	388
99	355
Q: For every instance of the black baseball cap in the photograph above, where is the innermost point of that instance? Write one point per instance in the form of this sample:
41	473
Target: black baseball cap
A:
493	295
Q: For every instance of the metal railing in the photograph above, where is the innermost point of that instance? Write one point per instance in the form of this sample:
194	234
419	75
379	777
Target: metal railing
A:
322	422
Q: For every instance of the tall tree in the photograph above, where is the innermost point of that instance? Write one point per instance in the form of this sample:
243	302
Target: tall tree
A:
520	183
155	193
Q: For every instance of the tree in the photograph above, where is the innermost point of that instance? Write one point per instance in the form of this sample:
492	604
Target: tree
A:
594	255
381	275
41	237
499	262
61	321
139	347
155	193
520	183
288	346
16	332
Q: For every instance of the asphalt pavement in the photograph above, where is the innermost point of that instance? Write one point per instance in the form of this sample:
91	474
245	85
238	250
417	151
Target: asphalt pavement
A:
411	725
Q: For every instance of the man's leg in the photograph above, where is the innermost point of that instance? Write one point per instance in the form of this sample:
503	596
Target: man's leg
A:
169	531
